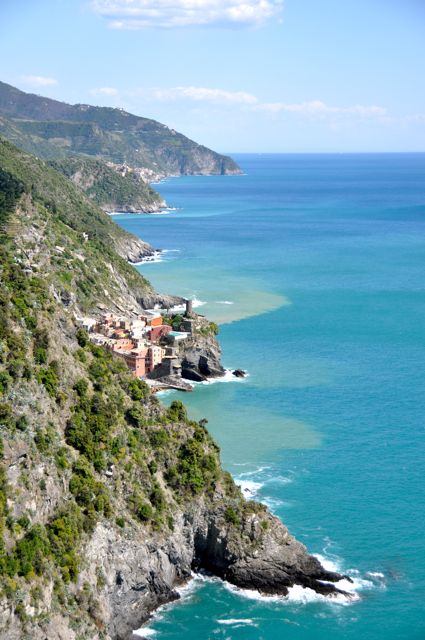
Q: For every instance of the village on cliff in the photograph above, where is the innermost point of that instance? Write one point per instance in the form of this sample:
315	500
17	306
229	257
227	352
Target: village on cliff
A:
148	343
164	348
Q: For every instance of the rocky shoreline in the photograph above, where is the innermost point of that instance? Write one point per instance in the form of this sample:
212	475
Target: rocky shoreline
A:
109	500
143	574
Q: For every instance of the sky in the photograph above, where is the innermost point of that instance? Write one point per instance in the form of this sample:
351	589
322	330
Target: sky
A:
236	75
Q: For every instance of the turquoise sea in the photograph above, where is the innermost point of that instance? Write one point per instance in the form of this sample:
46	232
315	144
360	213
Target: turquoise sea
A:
314	265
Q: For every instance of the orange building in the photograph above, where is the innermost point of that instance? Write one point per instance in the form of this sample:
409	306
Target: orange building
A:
151	318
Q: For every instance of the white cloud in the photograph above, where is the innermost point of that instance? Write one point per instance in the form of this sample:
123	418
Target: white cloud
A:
312	108
198	94
139	14
415	118
319	108
39	81
104	91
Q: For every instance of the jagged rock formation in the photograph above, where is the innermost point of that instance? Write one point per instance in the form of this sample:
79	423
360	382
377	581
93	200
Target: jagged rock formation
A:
107	499
201	356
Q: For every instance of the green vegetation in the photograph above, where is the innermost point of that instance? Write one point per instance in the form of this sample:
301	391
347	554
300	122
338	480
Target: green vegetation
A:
176	322
209	329
10	192
74	224
54	130
82	442
107	188
232	516
197	468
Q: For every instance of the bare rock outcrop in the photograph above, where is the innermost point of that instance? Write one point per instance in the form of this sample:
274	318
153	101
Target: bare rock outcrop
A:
133	249
201	358
141	572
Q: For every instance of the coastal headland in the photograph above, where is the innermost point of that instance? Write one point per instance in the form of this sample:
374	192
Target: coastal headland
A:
109	500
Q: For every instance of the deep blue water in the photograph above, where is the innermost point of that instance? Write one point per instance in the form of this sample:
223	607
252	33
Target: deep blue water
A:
323	258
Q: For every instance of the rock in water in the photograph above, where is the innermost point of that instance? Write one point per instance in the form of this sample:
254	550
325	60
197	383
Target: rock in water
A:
260	554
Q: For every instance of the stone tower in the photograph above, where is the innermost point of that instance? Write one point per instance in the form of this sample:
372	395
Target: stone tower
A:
189	309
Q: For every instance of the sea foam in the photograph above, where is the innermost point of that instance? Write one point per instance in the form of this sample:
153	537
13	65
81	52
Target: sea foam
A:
228	377
177	308
145	632
152	259
238	622
163	212
249	488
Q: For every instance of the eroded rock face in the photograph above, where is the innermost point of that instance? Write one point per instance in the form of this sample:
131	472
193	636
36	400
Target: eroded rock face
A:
152	300
201	358
259	554
141	572
132	249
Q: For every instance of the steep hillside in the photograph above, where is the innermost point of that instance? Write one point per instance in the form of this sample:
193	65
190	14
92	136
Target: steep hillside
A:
59	227
54	130
108	500
110	190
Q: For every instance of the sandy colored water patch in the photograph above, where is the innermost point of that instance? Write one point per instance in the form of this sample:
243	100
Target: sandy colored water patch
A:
246	433
228	296
245	303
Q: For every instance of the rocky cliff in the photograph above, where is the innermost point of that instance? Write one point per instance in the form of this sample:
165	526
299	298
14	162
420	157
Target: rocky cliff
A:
200	353
108	500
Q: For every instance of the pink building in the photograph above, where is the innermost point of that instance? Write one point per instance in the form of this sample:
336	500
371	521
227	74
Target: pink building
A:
136	361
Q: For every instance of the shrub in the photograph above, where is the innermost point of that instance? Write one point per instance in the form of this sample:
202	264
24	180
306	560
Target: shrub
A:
22	423
81	387
157	498
6	415
49	378
142	510
231	516
136	416
177	412
196	469
138	390
44	438
61	458
31	551
40	355
5	381
158	438
82	337
64	533
88	492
